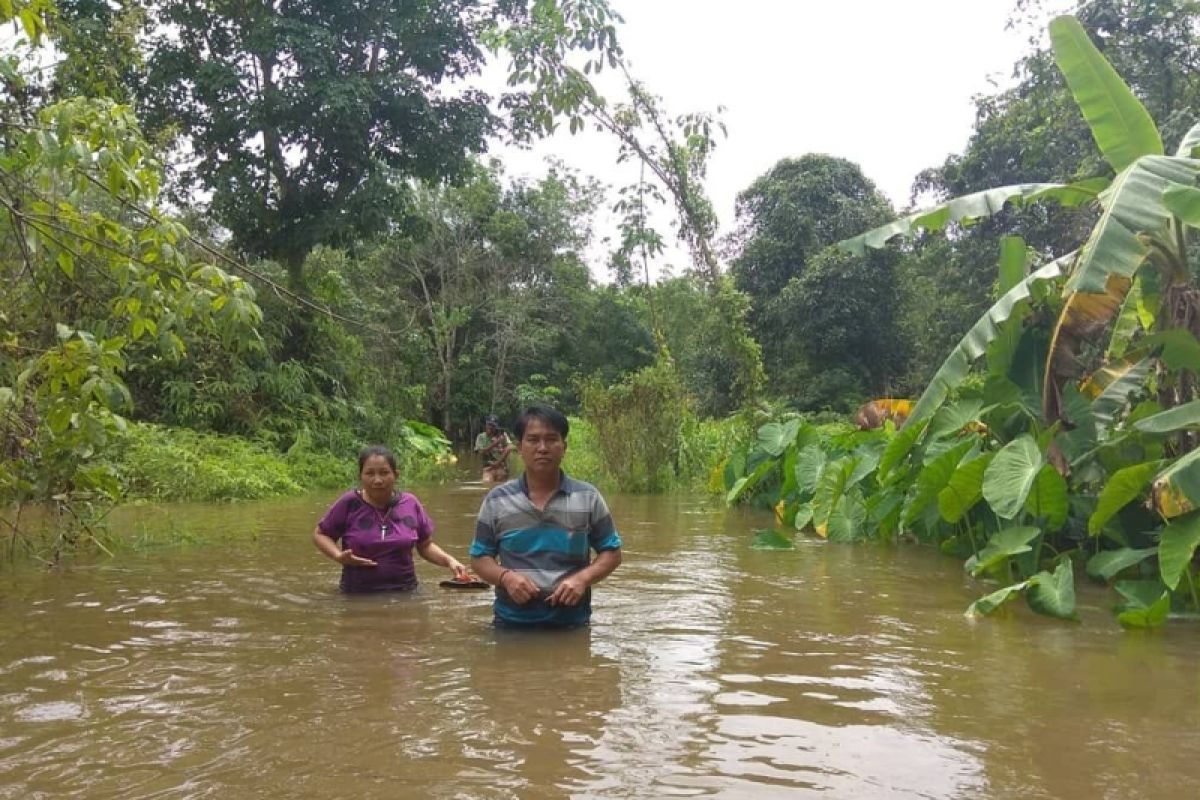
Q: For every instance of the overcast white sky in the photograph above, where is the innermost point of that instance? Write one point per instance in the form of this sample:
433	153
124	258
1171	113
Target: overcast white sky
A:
885	83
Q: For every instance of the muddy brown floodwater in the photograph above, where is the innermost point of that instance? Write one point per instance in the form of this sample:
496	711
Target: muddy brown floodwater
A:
234	669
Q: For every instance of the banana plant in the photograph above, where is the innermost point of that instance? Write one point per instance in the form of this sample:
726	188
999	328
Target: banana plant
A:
1129	282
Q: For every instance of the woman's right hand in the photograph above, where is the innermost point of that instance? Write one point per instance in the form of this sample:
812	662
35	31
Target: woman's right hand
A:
519	587
347	558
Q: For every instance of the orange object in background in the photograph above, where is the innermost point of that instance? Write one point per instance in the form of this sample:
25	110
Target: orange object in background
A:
872	413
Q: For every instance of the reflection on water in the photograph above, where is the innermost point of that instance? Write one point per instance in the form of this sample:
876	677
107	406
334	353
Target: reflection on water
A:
711	670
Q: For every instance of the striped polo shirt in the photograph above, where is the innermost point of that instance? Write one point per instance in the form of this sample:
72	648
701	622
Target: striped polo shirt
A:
544	545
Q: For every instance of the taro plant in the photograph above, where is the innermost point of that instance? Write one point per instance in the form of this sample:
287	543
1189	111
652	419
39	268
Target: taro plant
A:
1077	439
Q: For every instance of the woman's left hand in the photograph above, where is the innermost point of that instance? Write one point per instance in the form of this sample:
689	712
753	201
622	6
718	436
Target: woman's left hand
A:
460	572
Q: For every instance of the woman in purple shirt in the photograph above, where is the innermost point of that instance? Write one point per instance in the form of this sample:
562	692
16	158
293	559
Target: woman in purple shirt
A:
378	528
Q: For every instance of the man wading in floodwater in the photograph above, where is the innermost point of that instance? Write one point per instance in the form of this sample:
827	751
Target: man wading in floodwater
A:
535	534
494	446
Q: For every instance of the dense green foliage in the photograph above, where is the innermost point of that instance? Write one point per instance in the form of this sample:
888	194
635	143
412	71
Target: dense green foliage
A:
637	424
158	463
344	270
152	462
702	448
1066	450
826	320
302	115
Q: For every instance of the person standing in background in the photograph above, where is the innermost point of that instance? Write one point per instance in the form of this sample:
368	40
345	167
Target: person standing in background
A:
493	445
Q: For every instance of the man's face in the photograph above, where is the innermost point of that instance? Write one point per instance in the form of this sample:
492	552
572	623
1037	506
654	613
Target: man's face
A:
542	448
490	428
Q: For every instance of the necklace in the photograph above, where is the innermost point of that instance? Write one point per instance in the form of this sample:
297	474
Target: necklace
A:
383	518
382	523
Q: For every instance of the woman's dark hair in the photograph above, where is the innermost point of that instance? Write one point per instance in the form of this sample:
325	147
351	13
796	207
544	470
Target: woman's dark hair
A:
376	450
546	414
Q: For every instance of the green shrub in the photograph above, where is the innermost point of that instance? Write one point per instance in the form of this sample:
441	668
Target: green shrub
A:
637	424
178	464
154	462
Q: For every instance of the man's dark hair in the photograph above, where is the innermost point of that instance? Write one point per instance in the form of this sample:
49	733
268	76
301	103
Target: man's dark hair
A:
376	450
546	414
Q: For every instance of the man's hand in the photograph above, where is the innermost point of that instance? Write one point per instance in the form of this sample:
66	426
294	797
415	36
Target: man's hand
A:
520	588
569	592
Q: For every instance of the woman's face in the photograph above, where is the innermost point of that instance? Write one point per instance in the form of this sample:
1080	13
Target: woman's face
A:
377	476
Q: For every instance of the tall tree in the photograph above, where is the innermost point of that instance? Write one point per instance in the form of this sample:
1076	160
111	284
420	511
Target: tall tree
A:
302	118
828	333
673	153
799	207
492	272
98	44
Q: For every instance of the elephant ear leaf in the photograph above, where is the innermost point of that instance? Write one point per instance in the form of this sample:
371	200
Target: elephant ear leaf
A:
1053	593
1123	488
1146	604
1003	544
1047	499
772	539
1011	475
964	489
1107	564
989	603
774	437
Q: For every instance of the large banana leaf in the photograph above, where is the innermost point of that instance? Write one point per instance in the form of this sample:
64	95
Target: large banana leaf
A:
1177	348
1123	129
1111	386
1081	318
952	371
1133	208
1179	418
1131	319
1184	202
1177	488
1014	261
975	206
1190	144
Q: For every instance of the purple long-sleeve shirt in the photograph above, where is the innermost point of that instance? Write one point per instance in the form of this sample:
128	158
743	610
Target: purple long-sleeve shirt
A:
387	537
